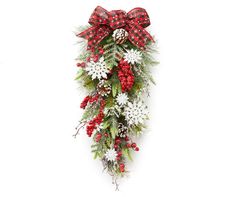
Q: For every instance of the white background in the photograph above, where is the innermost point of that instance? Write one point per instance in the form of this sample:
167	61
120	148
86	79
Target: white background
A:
189	149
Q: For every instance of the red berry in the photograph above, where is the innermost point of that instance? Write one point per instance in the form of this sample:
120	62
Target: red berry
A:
95	58
133	145
117	141
106	135
137	149
128	145
98	137
122	165
115	146
101	51
119	153
126	138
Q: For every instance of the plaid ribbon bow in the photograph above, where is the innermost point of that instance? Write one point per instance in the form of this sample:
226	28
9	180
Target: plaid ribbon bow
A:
104	22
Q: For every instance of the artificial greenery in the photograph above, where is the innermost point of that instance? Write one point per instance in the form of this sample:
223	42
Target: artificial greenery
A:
113	53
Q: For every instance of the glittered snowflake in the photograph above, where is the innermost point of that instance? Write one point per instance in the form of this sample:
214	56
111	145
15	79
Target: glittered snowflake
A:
135	112
122	99
110	155
133	56
97	69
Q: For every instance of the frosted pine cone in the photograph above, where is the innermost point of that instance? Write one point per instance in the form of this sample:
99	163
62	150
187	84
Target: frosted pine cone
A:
122	130
103	88
120	36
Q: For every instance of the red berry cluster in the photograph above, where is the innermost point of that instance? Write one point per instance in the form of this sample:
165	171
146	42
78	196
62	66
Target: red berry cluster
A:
82	65
118	146
132	145
117	143
94	98
85	102
125	76
122	167
89	99
98	137
119	155
92	125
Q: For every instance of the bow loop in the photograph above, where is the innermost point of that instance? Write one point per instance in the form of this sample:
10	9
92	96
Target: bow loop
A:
117	19
104	22
139	16
138	36
100	16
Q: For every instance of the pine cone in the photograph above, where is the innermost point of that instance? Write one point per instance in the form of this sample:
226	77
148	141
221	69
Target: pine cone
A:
120	36
122	130
103	88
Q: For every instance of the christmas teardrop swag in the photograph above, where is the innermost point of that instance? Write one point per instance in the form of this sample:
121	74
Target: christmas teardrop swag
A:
115	70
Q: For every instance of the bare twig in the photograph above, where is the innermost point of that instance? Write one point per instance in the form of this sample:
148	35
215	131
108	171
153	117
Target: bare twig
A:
80	126
115	183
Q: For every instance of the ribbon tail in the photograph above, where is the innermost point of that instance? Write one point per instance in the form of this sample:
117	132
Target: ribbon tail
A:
148	35
139	36
87	33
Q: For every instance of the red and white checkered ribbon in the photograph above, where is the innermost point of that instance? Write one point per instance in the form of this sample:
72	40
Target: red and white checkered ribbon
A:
104	22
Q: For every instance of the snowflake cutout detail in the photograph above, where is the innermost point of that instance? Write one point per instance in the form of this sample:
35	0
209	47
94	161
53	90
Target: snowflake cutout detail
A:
133	56
122	99
111	155
97	69
136	112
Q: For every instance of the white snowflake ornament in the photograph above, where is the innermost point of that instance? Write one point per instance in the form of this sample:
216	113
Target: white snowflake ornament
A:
135	112
122	99
111	155
97	69
133	56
